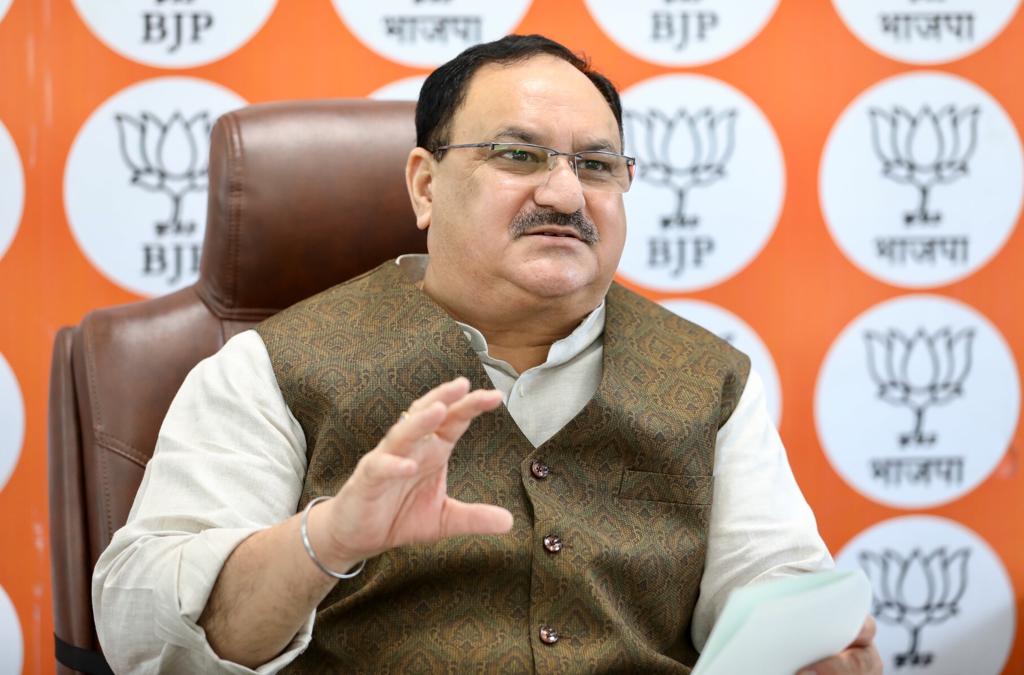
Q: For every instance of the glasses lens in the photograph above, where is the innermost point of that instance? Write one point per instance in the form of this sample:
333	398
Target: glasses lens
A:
604	171
597	170
519	159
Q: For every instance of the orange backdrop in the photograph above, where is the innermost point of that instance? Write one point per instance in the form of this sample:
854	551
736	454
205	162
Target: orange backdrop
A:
802	70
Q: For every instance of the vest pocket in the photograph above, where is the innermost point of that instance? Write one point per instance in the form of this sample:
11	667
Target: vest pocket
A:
666	487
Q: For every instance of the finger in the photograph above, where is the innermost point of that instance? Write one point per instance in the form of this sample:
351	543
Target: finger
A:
866	634
380	467
462	412
462	518
854	661
403	437
447	393
416	435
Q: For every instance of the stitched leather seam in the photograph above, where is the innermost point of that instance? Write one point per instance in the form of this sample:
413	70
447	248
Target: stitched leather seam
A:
105	479
254	314
119	447
218	307
235	194
90	375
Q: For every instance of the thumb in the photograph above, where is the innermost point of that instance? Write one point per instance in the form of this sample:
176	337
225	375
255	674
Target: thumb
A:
866	634
462	518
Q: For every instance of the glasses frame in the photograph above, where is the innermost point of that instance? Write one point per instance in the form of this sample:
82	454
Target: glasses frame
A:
573	157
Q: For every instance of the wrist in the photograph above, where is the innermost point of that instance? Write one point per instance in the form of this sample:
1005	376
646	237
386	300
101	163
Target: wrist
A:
325	549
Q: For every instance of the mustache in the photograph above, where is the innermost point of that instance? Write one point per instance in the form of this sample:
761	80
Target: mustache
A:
524	222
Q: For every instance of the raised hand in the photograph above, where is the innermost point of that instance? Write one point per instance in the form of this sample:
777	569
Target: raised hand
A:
398	493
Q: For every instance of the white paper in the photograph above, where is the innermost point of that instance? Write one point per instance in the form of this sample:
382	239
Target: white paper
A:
778	627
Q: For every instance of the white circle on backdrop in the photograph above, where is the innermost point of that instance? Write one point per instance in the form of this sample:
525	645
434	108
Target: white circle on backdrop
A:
922	179
428	32
917	401
12	423
135	182
740	335
942	599
12	189
12	654
174	34
682	33
4	6
709	185
406	89
928	32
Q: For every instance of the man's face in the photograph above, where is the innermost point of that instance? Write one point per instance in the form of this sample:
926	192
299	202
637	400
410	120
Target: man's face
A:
478	213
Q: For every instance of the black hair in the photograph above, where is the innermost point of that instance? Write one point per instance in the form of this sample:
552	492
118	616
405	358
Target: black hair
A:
445	89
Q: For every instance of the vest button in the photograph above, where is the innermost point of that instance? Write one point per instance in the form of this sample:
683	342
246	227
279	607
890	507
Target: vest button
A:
548	635
552	543
539	469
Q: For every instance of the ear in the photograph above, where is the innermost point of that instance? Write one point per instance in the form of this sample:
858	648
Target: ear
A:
419	177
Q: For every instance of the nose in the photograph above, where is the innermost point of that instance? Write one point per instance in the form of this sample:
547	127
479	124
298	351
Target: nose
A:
559	187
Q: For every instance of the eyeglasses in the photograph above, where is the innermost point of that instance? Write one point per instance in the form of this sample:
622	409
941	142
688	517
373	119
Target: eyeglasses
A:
596	169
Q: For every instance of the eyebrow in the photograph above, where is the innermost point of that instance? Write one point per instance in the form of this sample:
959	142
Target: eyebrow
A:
526	136
517	134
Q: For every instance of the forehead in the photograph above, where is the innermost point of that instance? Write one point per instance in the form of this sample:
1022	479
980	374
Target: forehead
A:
544	96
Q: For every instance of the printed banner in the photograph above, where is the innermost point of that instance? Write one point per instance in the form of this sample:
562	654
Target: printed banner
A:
834	188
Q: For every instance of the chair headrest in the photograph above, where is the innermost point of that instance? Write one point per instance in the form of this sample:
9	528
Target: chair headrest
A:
304	195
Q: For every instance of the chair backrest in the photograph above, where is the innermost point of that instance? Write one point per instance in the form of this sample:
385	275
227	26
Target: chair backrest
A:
302	196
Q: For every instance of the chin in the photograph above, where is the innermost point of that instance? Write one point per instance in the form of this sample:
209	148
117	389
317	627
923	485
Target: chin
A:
552	280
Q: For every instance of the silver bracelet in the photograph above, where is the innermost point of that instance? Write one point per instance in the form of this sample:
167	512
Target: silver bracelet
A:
309	547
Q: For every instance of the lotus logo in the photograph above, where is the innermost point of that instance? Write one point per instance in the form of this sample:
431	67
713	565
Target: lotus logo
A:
681	152
919	371
169	157
916	591
924	150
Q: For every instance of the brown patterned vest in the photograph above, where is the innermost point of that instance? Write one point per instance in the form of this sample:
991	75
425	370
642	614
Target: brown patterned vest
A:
629	491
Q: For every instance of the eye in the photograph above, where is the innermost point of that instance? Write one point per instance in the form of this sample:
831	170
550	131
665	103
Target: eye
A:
519	154
595	165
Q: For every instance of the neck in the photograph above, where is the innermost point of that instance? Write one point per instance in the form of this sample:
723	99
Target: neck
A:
519	329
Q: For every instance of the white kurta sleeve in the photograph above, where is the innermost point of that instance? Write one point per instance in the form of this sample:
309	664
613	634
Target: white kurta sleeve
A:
230	460
761	526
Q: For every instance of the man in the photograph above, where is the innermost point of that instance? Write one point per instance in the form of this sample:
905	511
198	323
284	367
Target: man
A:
572	529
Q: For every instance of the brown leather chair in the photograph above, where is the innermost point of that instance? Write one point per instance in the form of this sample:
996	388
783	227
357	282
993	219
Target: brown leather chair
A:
302	196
